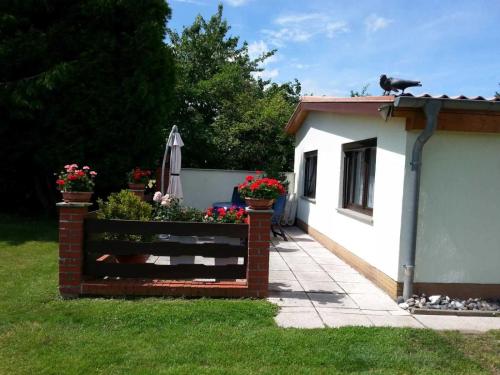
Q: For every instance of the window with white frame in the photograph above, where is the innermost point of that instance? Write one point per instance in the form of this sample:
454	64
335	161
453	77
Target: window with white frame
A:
359	175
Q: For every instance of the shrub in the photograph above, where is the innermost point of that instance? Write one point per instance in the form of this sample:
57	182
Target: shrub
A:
170	209
124	205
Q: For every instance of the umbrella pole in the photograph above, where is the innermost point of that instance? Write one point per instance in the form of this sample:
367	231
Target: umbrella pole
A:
162	187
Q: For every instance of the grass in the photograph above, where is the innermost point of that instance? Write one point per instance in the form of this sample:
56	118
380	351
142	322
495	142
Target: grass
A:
42	334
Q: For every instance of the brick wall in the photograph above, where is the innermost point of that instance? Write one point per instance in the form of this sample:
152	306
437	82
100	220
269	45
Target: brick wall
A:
71	231
72	283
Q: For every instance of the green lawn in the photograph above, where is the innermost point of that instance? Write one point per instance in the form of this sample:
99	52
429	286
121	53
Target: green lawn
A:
42	334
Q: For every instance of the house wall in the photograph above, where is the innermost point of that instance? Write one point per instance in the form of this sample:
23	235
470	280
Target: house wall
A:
202	187
376	243
459	212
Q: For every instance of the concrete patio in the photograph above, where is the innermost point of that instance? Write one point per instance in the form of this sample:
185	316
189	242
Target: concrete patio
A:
316	289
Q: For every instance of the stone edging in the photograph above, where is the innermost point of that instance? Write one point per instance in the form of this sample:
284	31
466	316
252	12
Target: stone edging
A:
455	312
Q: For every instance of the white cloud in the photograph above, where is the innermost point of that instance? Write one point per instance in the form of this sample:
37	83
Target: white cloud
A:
267	74
298	18
236	3
334	28
374	23
303	66
256	49
302	27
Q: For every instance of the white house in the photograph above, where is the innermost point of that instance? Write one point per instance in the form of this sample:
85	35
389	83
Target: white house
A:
408	216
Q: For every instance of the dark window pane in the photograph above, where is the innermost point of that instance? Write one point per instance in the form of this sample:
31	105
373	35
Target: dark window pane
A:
310	174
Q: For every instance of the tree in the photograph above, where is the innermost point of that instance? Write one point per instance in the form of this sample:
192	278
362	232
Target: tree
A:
228	118
80	82
364	92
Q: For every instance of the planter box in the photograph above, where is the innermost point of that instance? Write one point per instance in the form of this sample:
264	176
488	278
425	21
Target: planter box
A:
89	247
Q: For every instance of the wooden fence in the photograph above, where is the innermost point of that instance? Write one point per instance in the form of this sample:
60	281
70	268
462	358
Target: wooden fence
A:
107	239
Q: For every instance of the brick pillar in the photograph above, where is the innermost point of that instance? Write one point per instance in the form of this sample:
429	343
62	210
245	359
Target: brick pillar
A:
259	227
71	236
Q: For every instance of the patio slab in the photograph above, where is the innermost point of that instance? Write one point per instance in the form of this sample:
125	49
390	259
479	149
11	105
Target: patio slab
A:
316	289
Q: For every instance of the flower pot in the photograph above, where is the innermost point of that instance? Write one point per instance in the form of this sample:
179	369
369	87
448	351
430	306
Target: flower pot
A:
77	196
259	203
130	259
134	186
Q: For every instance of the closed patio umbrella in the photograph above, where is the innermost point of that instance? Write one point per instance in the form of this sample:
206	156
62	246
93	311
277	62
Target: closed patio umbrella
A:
175	143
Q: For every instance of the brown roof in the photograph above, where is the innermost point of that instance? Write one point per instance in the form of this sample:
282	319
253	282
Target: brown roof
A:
363	105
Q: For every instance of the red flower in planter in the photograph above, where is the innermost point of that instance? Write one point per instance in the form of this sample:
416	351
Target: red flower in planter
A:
263	188
249	178
139	176
74	179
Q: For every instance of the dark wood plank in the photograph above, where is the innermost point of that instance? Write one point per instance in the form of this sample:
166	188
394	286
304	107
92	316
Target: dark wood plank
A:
177	272
158	227
217	250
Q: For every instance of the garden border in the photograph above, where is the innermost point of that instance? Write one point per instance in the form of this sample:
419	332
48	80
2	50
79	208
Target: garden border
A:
73	282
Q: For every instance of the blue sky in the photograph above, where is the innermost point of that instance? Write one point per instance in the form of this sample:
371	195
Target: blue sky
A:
453	47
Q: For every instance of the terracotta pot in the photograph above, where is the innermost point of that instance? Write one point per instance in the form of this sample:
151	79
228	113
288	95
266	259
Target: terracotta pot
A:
77	196
259	203
130	259
134	186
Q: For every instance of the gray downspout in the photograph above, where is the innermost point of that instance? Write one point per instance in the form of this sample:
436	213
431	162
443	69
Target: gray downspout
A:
431	109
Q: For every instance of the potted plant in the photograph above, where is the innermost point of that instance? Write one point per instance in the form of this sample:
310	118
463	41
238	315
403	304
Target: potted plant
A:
125	205
138	179
260	192
75	184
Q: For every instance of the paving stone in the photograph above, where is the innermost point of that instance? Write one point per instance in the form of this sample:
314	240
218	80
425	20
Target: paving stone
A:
339	268
332	300
318	252
285	286
336	319
348	277
461	323
312	276
364	288
275	266
290	299
374	301
307	268
321	286
299	320
375	312
325	259
281	275
399	312
394	321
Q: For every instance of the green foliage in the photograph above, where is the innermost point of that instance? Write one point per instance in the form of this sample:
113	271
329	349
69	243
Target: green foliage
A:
80	81
172	210
227	117
363	92
124	205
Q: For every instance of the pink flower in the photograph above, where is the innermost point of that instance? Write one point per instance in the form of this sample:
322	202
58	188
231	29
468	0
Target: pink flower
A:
157	197
93	173
86	168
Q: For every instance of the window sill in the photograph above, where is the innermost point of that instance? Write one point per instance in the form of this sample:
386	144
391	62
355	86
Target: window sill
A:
312	200
367	219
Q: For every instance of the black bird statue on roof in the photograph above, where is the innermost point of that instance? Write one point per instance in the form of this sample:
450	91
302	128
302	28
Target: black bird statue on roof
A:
395	84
